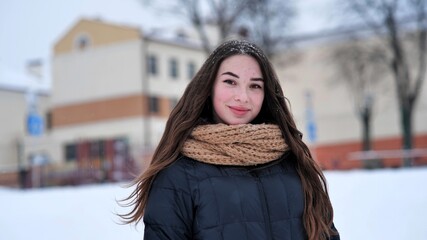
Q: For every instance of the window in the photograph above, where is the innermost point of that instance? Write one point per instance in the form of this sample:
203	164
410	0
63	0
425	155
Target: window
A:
49	120
191	70
173	68
70	152
97	149
153	104
82	42
152	65
172	103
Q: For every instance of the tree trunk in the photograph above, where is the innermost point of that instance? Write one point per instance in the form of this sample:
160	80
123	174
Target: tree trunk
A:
366	135
406	121
366	116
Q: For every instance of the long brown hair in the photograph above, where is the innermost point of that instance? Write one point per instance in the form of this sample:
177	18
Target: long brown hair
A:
196	104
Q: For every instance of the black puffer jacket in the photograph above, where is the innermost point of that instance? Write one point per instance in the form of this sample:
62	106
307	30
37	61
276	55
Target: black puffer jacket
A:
194	200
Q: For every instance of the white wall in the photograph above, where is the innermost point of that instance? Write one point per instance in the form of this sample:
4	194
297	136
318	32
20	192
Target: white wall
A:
97	73
162	83
13	109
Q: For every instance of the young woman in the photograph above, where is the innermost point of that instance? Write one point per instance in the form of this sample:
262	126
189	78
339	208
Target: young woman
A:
231	163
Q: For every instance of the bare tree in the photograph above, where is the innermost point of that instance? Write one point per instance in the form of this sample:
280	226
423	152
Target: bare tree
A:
361	68
262	21
402	26
268	22
193	11
223	15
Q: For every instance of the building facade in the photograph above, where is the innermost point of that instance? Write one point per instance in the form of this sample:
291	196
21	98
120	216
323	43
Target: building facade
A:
16	112
318	96
113	88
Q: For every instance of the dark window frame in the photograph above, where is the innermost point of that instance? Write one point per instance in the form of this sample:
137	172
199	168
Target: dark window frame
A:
173	68
172	103
191	70
152	64
82	42
70	151
153	104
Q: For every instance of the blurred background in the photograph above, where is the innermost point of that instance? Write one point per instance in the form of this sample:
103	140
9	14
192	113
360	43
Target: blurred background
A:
86	87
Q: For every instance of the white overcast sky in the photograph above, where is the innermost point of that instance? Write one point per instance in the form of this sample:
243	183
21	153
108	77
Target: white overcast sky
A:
30	28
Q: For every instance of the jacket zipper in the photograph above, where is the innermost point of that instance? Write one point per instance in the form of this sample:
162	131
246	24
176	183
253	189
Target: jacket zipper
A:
264	206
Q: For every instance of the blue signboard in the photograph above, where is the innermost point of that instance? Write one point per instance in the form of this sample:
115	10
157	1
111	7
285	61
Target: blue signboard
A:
310	119
34	124
312	131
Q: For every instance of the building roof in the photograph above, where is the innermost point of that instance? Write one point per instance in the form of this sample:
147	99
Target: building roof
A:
97	33
17	81
100	33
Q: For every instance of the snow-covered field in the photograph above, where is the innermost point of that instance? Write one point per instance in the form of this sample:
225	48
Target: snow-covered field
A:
370	205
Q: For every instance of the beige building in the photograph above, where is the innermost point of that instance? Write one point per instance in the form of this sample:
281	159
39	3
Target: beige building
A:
339	131
113	82
14	107
113	88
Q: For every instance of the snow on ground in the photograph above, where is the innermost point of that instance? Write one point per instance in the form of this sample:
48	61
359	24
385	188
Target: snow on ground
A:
67	213
388	204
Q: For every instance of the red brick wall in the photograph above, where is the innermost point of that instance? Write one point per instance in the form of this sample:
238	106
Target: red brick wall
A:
9	179
336	156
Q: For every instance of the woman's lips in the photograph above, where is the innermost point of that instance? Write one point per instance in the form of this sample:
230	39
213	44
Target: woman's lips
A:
239	110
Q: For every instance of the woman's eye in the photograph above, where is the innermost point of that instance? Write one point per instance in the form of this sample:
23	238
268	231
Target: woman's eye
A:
257	86
228	81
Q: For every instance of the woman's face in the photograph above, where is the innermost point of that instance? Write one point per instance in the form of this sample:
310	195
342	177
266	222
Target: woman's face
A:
238	91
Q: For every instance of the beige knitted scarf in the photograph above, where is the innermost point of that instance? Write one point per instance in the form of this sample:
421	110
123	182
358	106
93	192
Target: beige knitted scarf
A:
245	144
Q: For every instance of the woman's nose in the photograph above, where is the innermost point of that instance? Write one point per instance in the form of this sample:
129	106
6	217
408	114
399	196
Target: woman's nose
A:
241	96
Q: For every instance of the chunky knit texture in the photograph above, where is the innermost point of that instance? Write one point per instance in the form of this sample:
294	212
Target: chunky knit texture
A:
244	144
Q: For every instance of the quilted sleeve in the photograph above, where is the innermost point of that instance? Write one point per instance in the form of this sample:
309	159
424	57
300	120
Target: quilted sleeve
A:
168	214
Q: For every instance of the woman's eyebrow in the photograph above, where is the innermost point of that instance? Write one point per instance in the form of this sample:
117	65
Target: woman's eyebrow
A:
257	79
231	74
236	76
